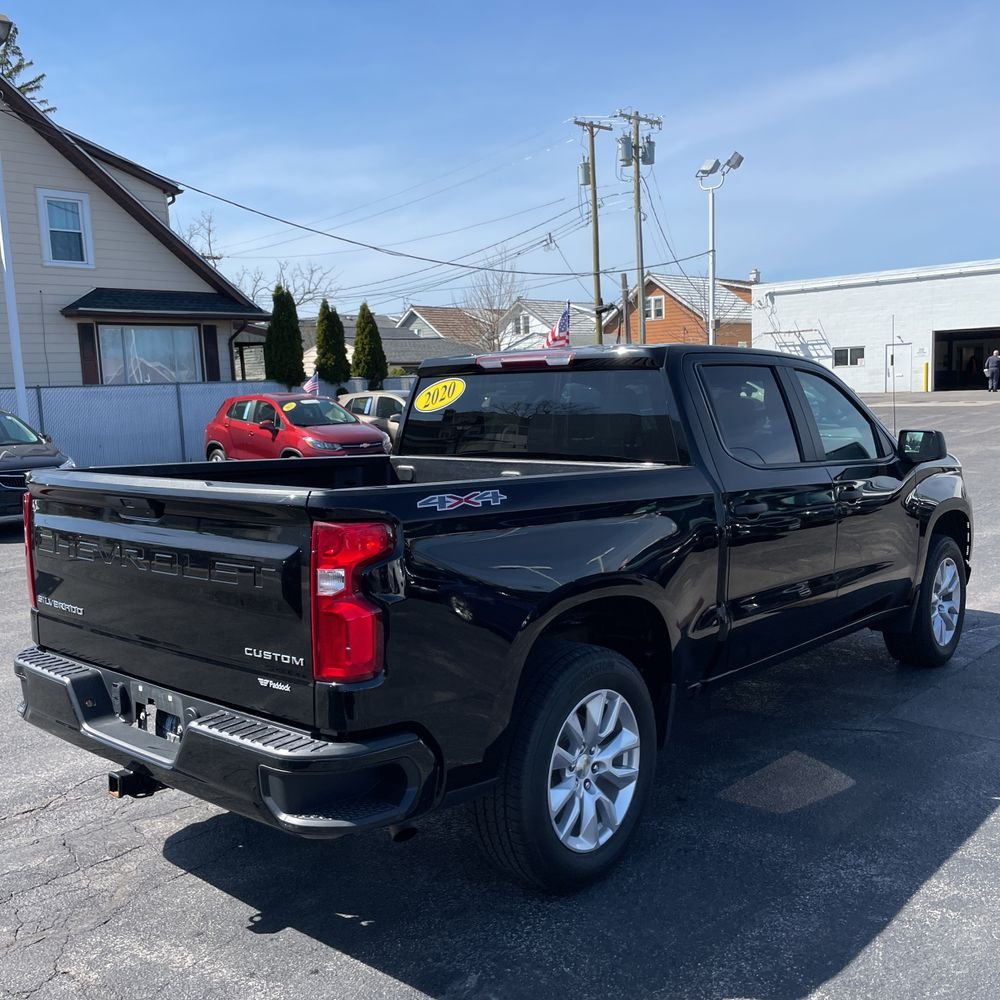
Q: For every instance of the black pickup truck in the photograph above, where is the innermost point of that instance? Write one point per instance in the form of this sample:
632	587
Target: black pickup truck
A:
505	611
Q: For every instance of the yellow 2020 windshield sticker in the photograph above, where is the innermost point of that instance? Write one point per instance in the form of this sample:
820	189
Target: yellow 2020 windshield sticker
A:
439	395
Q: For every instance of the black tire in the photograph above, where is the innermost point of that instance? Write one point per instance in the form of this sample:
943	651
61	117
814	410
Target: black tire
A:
290	454
216	454
513	821
921	646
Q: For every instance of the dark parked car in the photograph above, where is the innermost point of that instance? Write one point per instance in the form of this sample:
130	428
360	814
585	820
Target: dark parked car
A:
289	425
21	450
378	408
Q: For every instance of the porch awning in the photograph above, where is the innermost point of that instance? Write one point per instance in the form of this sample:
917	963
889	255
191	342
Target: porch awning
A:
120	302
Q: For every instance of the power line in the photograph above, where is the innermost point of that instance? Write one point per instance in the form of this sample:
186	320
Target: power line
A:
38	127
395	208
415	239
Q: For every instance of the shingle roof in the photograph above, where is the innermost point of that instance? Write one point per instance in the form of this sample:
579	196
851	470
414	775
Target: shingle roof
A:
450	322
133	302
693	292
387	328
405	351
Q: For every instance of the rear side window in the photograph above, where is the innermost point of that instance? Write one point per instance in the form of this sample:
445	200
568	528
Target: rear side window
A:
240	410
751	414
844	430
359	405
616	415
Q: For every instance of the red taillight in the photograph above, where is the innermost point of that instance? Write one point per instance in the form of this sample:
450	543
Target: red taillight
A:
347	628
29	558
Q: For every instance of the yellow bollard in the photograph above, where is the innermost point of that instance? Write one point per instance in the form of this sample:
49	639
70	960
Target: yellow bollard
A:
927	376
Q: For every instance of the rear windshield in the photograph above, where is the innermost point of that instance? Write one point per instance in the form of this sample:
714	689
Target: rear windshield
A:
318	412
604	415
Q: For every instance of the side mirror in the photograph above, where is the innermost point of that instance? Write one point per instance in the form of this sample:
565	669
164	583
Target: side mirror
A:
394	419
268	425
47	438
922	446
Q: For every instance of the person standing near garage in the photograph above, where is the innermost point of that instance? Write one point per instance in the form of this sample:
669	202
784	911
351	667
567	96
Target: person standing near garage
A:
993	371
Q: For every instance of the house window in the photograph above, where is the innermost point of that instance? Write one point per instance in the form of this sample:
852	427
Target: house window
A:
524	325
140	355
848	357
64	219
654	307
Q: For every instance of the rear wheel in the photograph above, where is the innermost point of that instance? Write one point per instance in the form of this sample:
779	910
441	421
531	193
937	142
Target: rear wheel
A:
577	774
937	625
216	454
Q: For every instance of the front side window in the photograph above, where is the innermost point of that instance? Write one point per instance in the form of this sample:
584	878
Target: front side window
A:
388	407
141	355
751	414
12	431
844	430
618	415
64	219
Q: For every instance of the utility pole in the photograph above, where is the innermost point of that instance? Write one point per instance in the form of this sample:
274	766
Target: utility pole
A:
591	127
625	322
635	154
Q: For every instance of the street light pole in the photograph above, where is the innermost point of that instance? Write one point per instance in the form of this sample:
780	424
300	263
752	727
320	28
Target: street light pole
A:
708	169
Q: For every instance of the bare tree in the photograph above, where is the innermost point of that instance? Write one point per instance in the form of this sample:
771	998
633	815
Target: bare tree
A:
490	297
307	282
201	234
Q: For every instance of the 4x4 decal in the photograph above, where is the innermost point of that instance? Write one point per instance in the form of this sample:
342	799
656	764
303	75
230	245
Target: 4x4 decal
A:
449	501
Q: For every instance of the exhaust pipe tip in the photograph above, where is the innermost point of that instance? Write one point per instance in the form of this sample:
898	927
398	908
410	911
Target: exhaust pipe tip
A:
400	833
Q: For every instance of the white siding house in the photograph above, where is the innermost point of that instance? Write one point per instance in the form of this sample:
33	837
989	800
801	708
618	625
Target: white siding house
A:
888	329
104	290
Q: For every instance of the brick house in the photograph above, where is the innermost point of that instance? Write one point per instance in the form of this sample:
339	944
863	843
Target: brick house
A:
677	308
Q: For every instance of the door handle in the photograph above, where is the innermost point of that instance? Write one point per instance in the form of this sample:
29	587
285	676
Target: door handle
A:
850	494
749	509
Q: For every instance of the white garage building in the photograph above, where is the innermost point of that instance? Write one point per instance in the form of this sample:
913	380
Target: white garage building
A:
924	328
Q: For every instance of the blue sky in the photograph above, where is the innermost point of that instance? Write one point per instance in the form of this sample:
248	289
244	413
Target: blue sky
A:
871	131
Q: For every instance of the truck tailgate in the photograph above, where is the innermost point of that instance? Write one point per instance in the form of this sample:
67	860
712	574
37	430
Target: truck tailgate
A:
201	588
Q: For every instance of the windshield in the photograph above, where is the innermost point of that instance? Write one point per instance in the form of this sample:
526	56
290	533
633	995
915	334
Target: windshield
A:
317	412
610	415
12	431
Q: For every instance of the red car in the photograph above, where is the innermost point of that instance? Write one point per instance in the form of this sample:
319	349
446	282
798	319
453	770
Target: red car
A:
289	425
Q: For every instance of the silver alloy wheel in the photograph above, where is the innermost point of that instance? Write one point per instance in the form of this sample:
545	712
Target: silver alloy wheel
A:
946	601
593	771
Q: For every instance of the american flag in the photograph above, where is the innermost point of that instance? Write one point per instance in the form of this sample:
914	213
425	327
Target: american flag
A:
558	336
312	385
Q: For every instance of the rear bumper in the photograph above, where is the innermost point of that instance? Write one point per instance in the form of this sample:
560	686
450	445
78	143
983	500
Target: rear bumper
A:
267	771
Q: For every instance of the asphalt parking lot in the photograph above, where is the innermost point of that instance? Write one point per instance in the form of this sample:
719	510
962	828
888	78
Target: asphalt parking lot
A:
829	829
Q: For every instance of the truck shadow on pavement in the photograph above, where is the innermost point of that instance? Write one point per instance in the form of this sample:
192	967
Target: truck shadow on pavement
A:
794	817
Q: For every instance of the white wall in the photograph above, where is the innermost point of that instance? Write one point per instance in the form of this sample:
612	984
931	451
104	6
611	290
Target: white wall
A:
125	256
812	322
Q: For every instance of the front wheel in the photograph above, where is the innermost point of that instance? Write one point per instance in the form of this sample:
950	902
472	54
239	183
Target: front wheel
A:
578	771
940	614
216	455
